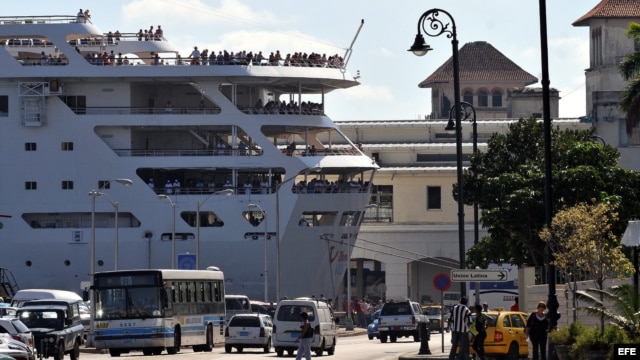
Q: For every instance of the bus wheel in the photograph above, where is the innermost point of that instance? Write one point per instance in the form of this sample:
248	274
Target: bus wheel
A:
157	351
208	347
114	352
147	352
279	352
176	342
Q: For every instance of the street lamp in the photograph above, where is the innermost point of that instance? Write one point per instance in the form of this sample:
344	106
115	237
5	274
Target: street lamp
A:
278	186
95	193
173	232
227	192
266	270
469	113
350	219
436	27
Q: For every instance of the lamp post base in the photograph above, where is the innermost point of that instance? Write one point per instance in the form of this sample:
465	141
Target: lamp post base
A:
349	325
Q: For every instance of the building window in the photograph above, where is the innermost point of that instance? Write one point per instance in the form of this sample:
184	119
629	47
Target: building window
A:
67	146
67	185
483	98
467	96
4	105
30	185
496	98
29	146
382	196
434	198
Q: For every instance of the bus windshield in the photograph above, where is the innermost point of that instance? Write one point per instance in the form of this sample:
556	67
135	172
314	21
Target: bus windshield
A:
123	303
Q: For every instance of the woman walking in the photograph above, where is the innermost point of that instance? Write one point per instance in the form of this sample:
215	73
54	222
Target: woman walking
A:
537	325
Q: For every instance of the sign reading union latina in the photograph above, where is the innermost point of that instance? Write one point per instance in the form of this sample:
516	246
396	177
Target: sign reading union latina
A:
479	275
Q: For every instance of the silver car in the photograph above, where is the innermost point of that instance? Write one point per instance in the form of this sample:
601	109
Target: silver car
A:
16	349
17	330
248	331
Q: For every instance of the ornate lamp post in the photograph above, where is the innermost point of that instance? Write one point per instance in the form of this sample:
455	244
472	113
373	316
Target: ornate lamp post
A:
227	192
173	232
266	235
433	26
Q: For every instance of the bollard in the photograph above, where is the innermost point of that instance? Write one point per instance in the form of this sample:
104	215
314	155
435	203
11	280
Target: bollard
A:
425	334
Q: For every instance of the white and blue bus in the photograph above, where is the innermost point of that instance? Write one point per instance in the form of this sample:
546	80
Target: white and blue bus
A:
154	310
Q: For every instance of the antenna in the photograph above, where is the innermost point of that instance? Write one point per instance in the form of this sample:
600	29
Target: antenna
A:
347	54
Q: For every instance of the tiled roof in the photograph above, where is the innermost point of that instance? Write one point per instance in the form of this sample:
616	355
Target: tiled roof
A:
608	9
480	61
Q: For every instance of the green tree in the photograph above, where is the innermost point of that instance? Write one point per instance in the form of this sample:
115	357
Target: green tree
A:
630	70
585	245
509	188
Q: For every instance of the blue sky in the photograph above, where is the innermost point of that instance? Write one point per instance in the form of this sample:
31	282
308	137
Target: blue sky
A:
389	73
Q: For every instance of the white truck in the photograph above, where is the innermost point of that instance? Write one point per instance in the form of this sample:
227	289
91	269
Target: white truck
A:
398	319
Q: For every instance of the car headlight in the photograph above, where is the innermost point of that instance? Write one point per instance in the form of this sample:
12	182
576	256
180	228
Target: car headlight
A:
51	339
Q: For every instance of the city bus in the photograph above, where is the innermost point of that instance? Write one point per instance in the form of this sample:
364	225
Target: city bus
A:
154	310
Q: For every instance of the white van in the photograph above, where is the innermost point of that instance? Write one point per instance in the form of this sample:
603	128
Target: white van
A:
25	295
236	304
286	326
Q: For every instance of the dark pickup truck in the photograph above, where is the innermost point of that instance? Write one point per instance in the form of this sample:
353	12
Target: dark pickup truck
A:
56	327
399	319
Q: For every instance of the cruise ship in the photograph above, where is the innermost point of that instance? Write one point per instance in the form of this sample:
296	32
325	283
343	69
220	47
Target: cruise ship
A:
118	153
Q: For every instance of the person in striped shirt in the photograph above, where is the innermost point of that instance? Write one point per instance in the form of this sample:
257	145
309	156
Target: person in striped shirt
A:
459	325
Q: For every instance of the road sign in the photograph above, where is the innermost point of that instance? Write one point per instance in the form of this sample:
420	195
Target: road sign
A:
479	275
442	282
187	261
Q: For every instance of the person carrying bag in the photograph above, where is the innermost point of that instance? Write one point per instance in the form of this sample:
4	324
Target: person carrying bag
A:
479	325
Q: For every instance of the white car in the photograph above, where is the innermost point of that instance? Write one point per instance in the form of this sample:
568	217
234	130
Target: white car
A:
14	348
248	331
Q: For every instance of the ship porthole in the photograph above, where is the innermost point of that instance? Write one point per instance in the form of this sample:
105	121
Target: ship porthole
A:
100	263
28	263
67	263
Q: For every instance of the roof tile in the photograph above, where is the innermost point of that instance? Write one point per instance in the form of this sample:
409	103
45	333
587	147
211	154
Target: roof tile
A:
480	61
608	9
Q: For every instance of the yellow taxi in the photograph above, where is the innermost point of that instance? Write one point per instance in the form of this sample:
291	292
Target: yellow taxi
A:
506	337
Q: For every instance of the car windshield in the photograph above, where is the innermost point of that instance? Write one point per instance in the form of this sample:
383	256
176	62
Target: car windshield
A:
43	319
432	311
292	313
19	325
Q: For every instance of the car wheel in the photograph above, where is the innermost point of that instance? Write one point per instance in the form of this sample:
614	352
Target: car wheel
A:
513	353
75	353
267	348
332	349
393	338
383	338
370	337
147	352
114	352
319	351
157	351
59	355
240	349
279	352
227	348
289	352
176	342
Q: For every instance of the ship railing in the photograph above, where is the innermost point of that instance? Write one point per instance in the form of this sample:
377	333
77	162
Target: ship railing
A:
188	152
114	110
46	19
259	190
320	152
263	111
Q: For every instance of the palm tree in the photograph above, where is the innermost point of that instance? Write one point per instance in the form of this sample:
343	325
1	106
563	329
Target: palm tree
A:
630	71
617	304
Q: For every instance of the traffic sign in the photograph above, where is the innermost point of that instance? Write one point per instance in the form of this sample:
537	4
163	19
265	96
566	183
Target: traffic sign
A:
479	275
187	261
442	282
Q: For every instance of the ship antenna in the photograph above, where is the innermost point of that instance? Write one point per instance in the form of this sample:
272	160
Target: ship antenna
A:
347	54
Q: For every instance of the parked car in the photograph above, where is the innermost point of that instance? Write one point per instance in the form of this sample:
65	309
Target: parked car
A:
15	349
248	331
17	330
372	329
437	320
7	311
505	335
402	318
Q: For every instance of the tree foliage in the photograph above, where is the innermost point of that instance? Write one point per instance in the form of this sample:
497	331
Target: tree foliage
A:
585	245
509	188
630	71
618	305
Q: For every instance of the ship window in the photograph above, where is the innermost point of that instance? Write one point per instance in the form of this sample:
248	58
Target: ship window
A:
30	185
29	146
434	198
318	218
4	105
67	185
67	146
